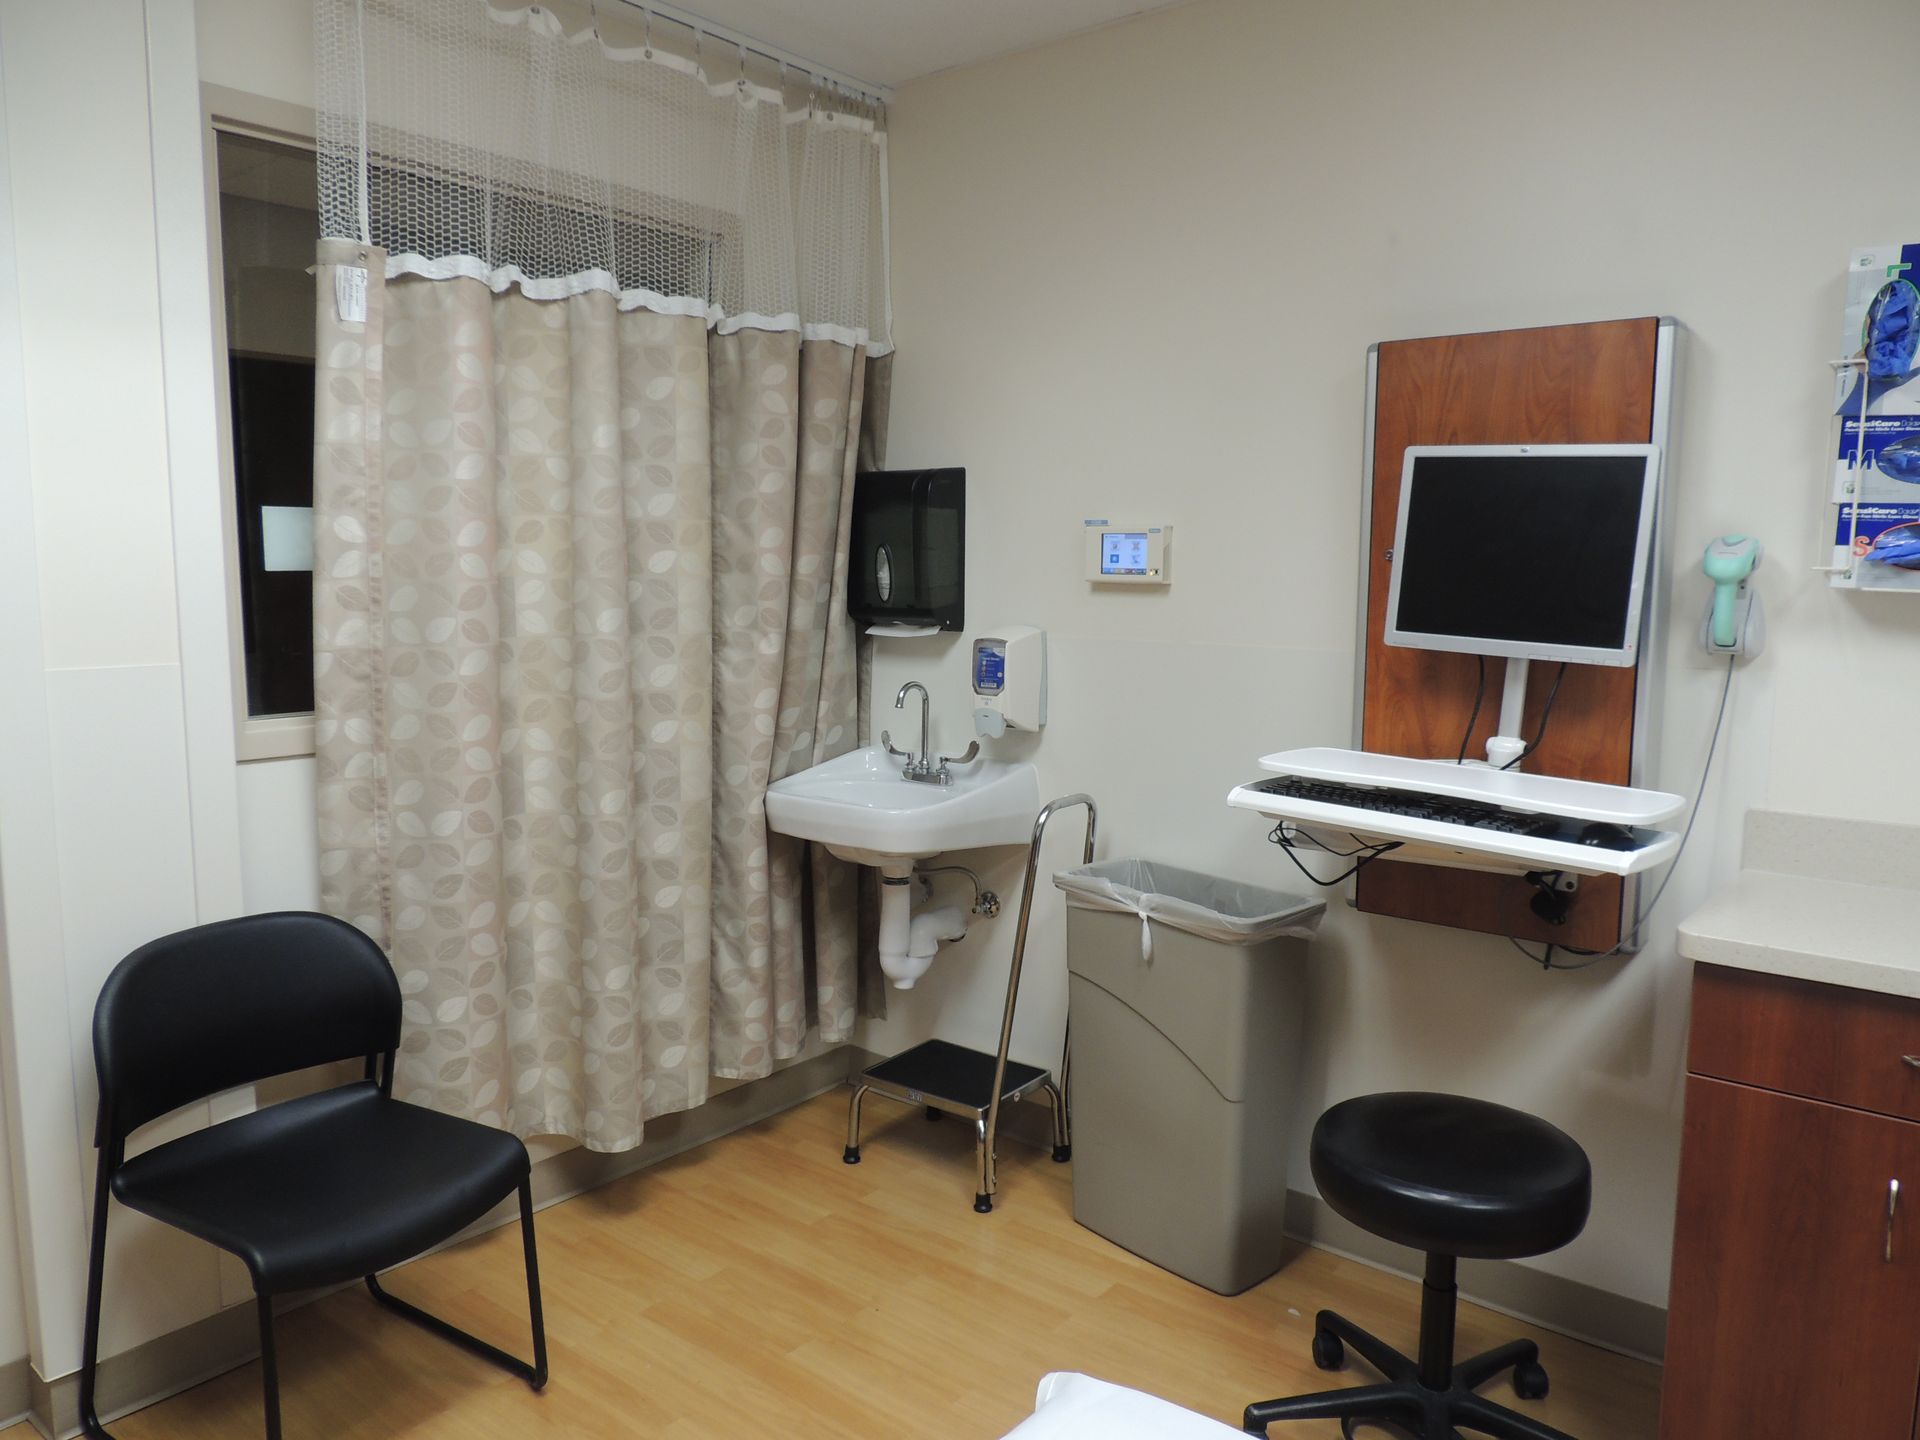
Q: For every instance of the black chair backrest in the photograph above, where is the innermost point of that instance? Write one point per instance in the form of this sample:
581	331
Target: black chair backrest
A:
189	1015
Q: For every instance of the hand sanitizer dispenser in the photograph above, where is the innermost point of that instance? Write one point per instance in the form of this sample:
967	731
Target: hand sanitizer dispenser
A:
1010	681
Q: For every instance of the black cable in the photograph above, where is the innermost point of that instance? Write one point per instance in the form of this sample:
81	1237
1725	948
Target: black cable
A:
1279	836
1546	714
1374	852
1479	694
1594	957
1545	959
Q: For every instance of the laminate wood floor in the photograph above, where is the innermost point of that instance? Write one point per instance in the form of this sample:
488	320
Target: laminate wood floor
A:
758	1286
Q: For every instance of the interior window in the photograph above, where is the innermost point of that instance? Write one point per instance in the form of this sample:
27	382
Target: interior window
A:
268	224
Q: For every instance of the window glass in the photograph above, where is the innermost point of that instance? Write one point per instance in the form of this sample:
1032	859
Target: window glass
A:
268	225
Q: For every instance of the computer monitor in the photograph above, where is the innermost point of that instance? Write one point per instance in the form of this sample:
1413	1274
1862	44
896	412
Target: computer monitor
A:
1534	552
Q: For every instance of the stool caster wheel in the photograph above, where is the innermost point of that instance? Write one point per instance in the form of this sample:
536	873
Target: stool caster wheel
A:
933	1115
1328	1352
1062	1154
1530	1381
851	1155
983	1204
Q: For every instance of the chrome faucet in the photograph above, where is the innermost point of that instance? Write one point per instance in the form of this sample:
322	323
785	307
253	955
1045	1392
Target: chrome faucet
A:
921	767
917	767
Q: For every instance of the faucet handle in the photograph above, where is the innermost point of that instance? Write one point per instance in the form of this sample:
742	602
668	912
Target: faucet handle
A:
886	742
943	775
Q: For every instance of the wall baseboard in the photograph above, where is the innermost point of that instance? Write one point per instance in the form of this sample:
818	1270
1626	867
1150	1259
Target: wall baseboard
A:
184	1358
1571	1307
16	1392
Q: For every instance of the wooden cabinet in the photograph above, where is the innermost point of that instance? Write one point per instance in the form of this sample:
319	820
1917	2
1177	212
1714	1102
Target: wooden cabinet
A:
1795	1306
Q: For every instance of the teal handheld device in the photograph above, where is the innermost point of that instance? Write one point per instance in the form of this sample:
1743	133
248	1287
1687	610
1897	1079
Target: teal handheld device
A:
1729	560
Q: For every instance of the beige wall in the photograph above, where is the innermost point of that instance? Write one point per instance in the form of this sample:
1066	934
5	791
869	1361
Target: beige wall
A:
1136	274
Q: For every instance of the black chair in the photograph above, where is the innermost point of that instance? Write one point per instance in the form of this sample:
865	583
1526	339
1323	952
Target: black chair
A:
317	1191
1452	1177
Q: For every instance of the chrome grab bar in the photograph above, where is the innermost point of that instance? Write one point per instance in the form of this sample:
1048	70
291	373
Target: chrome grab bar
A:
989	1177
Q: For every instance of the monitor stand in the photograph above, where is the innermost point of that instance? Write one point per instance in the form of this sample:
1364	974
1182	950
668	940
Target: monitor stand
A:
1504	746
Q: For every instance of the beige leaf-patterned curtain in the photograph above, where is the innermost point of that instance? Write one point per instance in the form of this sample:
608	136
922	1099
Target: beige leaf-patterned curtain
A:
579	598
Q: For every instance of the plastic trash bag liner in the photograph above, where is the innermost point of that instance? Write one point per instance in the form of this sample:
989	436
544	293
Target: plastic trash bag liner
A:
1227	911
1893	330
1901	460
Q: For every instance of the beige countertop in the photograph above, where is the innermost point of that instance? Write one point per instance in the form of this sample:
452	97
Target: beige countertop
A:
1820	899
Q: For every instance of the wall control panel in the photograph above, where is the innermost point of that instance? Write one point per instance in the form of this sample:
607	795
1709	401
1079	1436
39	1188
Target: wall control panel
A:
1127	554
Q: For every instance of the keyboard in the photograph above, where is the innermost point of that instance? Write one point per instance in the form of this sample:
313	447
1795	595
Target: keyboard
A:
1433	828
1449	811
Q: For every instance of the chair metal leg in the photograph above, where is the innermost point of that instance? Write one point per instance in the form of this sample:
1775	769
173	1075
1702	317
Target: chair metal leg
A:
1472	1373
852	1153
1062	1125
535	1374
536	1312
1360	1402
1484	1417
1370	1348
96	1278
269	1367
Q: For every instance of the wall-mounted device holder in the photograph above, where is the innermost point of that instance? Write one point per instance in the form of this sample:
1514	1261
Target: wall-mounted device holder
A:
1128	554
1611	383
908	551
1010	681
1735	622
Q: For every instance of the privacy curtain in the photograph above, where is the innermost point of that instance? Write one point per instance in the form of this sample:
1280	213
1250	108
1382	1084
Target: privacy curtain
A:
580	570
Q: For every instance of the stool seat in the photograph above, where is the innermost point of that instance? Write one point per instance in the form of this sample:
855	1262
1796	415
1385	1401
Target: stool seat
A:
1452	1176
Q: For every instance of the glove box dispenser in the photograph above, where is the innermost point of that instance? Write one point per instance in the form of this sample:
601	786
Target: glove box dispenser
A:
909	549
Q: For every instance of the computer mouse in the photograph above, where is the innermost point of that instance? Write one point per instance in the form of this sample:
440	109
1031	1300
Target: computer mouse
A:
1614	837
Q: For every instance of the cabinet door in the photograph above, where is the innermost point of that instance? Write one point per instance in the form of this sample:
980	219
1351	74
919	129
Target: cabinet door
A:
1795	1308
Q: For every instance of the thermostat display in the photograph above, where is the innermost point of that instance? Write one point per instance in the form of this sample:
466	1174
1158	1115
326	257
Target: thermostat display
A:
1123	552
1127	554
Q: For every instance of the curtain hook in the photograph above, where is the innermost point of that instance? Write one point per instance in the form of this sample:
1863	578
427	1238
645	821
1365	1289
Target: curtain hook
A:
646	19
743	66
593	10
699	45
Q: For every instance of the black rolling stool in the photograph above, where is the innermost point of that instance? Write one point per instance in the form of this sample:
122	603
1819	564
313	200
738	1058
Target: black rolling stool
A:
1451	1177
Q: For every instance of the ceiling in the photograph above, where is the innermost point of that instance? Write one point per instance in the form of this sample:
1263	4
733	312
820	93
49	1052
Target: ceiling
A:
888	42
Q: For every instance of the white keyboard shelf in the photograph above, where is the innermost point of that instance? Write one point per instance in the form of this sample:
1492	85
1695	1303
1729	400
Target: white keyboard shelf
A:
1435	842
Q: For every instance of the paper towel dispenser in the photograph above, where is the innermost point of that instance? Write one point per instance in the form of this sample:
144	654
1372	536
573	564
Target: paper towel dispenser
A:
908	550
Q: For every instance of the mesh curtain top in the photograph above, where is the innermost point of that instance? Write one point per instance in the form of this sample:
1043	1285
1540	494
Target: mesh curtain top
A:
563	152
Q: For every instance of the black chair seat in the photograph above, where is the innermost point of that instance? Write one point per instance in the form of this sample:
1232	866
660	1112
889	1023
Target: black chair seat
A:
1452	1176
326	1188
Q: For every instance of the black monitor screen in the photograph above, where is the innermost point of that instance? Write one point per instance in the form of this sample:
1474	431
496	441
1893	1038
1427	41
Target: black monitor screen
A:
1521	550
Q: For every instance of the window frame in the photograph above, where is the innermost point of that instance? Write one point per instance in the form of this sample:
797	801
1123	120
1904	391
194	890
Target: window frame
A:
256	737
239	112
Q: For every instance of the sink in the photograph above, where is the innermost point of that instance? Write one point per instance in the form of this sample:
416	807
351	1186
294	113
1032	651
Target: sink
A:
860	808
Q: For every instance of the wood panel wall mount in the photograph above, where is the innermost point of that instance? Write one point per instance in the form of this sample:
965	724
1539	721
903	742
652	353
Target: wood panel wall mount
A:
1599	383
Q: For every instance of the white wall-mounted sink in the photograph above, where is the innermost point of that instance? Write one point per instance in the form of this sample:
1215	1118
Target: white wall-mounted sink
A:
861	809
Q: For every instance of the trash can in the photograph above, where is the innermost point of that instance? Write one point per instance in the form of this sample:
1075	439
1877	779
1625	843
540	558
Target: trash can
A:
1185	998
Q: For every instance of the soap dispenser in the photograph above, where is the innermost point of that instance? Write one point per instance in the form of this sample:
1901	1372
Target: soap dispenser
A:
1010	681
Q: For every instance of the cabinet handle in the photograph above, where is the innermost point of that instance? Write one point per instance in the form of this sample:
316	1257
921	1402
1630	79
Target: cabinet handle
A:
1893	1204
1912	1062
